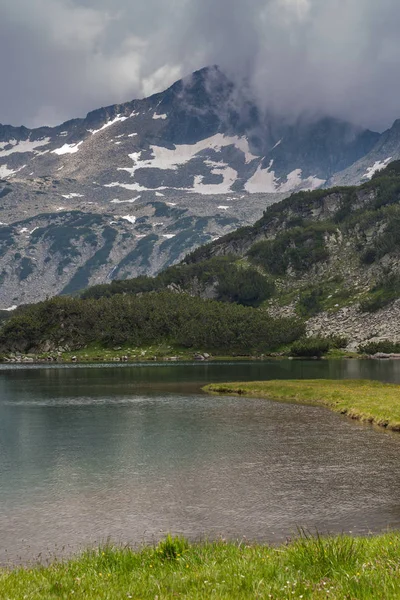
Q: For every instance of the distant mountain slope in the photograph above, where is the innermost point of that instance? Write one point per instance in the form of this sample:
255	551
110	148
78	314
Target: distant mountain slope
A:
386	150
166	173
201	135
329	256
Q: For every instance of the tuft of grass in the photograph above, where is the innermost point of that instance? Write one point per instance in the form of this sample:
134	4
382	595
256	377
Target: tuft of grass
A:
310	567
172	547
369	401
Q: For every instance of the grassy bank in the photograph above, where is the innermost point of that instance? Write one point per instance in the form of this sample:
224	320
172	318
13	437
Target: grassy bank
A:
370	401
95	353
336	567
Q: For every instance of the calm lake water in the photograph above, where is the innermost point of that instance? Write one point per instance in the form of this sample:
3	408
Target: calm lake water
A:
130	452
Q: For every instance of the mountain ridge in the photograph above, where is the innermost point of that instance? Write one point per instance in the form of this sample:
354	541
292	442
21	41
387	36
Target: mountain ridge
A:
167	173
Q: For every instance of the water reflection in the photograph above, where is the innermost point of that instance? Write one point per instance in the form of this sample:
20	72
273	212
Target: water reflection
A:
129	453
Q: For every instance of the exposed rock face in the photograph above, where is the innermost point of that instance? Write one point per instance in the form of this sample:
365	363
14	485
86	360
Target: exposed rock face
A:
357	326
132	188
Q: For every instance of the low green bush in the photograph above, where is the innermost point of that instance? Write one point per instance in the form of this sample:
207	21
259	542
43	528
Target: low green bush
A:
310	347
383	293
299	248
385	346
310	304
337	342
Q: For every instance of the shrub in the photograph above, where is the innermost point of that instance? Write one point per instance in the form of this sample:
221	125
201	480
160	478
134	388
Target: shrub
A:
310	303
299	248
337	342
385	346
383	293
244	286
310	347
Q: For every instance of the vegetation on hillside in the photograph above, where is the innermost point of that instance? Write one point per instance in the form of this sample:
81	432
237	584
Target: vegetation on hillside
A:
309	567
299	248
382	293
299	252
228	281
320	234
142	320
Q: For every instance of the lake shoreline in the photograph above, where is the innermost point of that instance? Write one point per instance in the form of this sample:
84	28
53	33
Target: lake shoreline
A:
115	357
362	400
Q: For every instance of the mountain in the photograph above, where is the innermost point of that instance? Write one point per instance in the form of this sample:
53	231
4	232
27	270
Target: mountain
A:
132	188
330	257
325	262
386	150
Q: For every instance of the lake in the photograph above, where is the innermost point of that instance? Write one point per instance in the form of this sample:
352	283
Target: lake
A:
131	452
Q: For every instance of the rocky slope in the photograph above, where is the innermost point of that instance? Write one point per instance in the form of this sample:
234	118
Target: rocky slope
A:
132	188
334	256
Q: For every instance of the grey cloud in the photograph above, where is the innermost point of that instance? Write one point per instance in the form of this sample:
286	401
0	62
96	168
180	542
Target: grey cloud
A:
62	58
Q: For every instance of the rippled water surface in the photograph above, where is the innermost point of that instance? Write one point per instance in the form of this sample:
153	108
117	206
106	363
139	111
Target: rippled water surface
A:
131	452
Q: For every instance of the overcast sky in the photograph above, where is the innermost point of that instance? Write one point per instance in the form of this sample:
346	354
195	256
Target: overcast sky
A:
62	58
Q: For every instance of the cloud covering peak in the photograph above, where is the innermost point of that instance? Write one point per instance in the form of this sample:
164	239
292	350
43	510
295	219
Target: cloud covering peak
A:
62	58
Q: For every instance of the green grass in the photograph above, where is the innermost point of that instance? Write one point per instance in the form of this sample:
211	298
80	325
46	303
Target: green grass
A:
339	567
97	353
369	401
159	352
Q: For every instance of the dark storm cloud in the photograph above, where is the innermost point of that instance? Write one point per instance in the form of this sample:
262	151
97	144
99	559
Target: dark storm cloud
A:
61	58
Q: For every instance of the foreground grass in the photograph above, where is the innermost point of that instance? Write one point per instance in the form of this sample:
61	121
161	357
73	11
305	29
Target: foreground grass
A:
370	401
336	567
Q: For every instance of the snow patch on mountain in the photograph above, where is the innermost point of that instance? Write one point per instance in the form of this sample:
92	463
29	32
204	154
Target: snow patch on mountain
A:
118	119
67	149
130	219
377	166
166	158
156	116
116	201
277	144
5	172
265	181
133	187
22	146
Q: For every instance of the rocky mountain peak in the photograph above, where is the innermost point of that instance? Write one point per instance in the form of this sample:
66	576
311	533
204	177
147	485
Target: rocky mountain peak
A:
152	179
